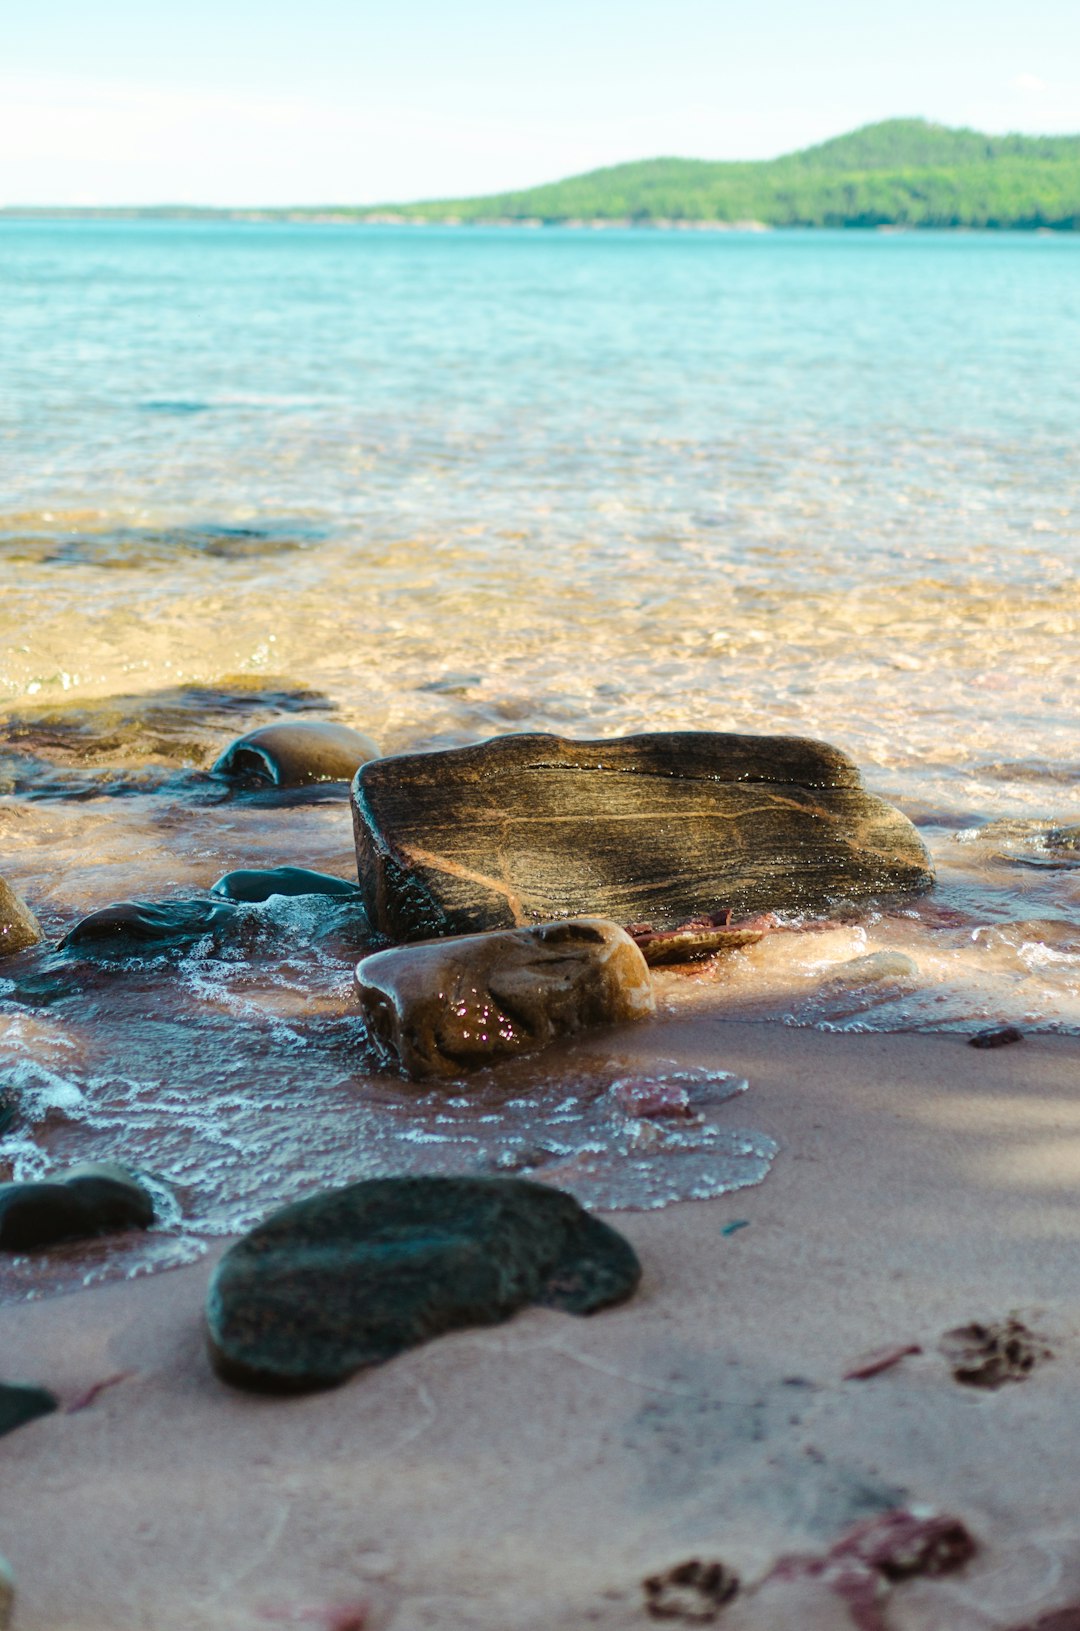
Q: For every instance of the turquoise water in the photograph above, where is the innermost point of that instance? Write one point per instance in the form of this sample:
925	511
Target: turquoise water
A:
442	483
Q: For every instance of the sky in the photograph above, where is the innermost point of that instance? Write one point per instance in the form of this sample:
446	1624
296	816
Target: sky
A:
260	102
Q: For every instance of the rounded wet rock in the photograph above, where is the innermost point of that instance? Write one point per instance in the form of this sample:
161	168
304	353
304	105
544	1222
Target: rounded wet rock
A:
134	928
296	753
253	885
443	1006
95	1198
19	927
20	1403
351	1277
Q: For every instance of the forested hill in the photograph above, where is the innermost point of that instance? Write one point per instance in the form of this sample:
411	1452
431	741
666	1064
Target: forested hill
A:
903	172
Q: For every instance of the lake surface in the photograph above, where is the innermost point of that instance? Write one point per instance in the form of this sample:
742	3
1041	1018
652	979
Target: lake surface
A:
444	483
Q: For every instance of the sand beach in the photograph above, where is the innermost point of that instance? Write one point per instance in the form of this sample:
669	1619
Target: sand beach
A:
445	486
534	1474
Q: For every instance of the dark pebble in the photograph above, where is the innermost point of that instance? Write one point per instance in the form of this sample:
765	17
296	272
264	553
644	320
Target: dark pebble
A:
22	1404
353	1276
138	927
86	1201
259	884
998	1037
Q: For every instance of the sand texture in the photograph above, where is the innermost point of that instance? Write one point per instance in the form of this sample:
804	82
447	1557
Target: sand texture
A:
531	1476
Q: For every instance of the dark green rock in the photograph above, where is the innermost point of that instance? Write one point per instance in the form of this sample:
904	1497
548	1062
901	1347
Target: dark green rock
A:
19	1405
258	884
652	829
135	928
353	1276
94	1199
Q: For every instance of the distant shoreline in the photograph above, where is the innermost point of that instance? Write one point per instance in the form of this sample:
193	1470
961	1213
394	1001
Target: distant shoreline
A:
897	175
341	218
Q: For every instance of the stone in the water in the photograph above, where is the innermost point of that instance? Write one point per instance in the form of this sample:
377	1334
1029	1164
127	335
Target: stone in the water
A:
140	927
95	1198
449	1005
296	753
700	938
258	884
875	966
350	1277
19	1404
19	928
657	829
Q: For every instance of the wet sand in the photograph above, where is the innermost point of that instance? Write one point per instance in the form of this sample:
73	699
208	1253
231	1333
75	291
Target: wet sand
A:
530	1475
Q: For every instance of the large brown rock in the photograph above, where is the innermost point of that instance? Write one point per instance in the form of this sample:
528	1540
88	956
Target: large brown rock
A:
19	927
655	829
452	1005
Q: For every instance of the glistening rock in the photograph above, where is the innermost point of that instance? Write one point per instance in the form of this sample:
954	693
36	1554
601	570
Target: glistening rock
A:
296	753
655	829
19	927
450	1005
95	1198
350	1277
259	884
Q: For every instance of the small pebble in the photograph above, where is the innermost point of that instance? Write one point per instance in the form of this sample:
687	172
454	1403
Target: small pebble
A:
999	1036
7	1593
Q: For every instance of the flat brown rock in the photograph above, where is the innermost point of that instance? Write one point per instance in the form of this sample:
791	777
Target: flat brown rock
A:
656	829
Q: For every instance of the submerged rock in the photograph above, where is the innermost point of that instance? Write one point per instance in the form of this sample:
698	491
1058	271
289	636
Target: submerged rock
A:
20	1404
19	927
142	927
353	1276
874	966
658	829
448	1005
295	753
700	938
259	884
93	1199
7	1593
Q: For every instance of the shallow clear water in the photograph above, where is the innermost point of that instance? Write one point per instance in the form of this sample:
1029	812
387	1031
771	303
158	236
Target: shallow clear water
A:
446	483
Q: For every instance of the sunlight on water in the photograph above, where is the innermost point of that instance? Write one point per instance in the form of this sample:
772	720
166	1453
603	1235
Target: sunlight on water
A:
446	485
